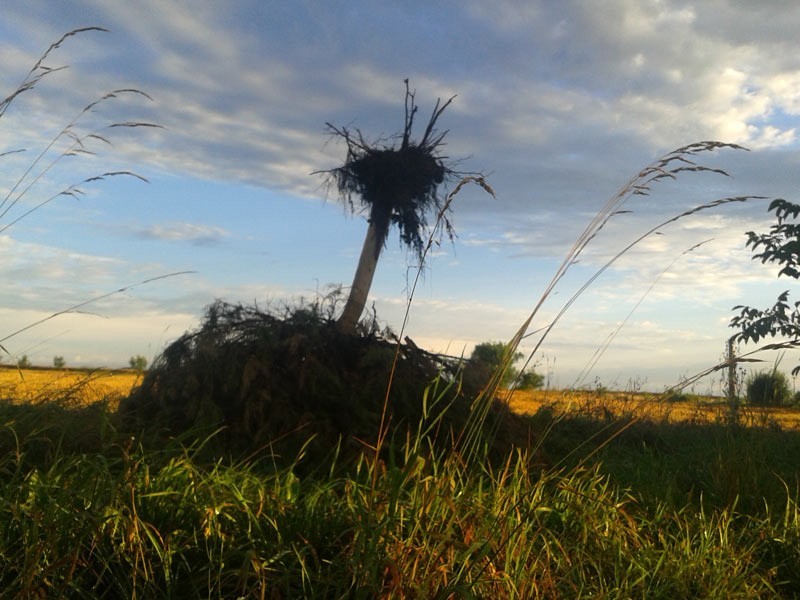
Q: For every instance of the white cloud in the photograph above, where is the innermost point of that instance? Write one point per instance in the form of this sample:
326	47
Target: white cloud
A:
193	233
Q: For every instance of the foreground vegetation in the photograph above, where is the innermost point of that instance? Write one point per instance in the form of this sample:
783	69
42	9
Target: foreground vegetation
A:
591	506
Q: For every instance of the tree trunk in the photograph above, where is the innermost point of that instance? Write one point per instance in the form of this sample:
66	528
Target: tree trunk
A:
370	252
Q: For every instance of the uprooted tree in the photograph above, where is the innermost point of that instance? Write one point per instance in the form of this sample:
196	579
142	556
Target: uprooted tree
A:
395	184
780	245
289	381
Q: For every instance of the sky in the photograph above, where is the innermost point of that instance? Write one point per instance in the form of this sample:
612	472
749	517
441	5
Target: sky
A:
558	104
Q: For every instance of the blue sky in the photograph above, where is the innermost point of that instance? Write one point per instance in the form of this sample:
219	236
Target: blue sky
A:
559	104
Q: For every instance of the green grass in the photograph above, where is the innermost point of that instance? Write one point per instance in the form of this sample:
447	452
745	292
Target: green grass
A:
87	512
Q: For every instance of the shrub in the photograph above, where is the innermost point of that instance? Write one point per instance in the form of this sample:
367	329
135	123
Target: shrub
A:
487	357
676	396
138	362
530	380
768	389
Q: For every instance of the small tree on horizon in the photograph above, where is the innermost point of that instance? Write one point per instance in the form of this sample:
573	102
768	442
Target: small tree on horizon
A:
138	362
59	362
489	356
768	388
395	185
24	362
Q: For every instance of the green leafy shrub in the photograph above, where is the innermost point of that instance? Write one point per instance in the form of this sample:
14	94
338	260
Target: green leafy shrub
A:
488	357
768	389
530	380
138	362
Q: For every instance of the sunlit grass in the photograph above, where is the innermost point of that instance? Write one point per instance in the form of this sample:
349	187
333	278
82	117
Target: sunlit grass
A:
659	408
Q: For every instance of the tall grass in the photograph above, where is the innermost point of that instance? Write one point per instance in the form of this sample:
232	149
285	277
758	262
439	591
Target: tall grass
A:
76	139
120	521
71	141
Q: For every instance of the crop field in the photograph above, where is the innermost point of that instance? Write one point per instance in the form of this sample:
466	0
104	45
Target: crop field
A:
87	386
651	407
77	386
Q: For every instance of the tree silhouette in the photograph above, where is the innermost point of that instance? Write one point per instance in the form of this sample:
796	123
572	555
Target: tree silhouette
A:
489	357
138	362
394	184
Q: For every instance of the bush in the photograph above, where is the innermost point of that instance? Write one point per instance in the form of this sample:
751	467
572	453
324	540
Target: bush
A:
487	357
138	362
530	380
768	389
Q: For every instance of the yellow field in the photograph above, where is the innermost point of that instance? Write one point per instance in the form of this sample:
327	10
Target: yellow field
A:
88	386
649	406
73	385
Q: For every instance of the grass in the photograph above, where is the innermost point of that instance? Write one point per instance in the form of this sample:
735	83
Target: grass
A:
609	503
654	514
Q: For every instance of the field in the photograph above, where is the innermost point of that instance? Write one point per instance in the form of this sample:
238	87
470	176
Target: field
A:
287	456
79	386
613	495
652	407
627	508
87	386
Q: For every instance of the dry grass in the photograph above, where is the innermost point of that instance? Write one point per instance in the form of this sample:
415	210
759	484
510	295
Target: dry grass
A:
652	407
81	386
